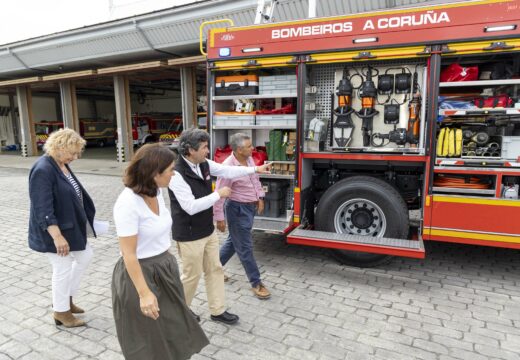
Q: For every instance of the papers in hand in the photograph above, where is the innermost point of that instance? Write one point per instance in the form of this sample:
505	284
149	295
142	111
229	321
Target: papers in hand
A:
101	227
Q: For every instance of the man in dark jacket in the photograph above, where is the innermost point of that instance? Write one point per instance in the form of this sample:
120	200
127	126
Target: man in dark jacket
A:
192	202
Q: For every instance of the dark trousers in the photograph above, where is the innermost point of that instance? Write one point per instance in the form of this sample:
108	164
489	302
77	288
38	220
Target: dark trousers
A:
240	223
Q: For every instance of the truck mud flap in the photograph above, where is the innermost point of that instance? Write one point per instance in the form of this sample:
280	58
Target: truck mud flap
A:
382	245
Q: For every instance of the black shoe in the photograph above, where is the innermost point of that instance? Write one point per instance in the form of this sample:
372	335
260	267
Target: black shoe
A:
226	318
195	315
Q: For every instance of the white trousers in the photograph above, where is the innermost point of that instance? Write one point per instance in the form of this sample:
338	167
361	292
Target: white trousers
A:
66	276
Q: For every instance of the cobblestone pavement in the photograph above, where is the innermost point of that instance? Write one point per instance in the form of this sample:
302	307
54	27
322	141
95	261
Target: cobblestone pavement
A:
461	302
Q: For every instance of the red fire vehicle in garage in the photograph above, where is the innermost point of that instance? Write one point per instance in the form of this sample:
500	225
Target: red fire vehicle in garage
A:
94	131
151	127
406	129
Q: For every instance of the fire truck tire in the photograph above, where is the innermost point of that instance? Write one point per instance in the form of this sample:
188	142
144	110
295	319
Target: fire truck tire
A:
379	209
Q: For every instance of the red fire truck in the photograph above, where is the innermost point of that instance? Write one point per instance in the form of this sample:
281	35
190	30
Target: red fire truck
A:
406	125
149	127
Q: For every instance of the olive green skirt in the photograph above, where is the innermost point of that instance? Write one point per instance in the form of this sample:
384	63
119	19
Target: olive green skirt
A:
176	334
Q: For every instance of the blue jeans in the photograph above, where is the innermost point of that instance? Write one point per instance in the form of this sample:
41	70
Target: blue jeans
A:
240	223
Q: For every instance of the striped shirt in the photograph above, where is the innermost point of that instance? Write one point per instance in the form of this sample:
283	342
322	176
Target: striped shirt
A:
74	185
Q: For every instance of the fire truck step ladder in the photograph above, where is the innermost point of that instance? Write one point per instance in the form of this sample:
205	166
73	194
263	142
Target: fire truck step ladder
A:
381	245
270	226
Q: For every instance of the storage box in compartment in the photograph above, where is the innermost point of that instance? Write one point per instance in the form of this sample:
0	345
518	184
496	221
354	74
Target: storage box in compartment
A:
278	84
233	120
236	85
275	193
276	120
510	147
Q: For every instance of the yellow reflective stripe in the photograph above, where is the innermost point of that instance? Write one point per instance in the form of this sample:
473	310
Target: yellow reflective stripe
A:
473	235
393	53
279	61
468	200
478	46
168	136
99	133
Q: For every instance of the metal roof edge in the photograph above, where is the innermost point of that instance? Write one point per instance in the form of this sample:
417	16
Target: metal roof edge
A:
145	37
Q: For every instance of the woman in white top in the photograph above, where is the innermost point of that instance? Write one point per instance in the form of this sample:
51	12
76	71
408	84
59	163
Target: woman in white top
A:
152	319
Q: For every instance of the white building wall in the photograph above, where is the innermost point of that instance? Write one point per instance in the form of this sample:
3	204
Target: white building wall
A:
170	102
86	109
4	100
106	109
92	109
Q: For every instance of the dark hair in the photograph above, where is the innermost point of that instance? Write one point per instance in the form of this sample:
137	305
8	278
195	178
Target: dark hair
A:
148	161
191	139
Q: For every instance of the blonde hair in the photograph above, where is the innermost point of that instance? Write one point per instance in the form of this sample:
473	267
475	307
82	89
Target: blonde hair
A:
63	139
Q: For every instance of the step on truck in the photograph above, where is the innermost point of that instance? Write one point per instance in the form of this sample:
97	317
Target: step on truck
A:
387	129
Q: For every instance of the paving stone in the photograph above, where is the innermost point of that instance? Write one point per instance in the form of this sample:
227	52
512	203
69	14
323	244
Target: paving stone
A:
480	339
299	354
52	350
430	347
496	352
30	356
391	355
511	343
110	355
395	347
329	349
461	302
89	347
14	349
400	338
439	330
451	343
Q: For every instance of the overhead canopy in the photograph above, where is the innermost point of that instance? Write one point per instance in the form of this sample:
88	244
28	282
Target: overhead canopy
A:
165	34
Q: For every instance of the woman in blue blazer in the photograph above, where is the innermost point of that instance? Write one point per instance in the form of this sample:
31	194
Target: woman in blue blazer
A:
61	216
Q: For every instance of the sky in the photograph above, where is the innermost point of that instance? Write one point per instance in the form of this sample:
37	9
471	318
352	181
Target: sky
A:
24	19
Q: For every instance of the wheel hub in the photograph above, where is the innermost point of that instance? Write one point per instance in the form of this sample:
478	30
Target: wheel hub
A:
360	217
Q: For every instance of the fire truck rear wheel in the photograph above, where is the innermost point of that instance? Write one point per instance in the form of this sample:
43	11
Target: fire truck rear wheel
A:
363	205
